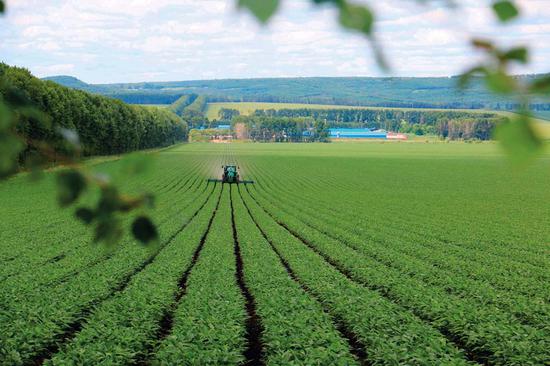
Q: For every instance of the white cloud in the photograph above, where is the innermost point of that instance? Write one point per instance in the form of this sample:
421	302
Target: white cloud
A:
49	46
164	43
135	40
431	37
178	28
36	31
54	69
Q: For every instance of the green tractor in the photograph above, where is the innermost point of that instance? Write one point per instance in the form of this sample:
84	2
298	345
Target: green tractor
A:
230	175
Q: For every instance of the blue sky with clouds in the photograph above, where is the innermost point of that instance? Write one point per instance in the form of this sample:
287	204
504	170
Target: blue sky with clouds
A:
105	41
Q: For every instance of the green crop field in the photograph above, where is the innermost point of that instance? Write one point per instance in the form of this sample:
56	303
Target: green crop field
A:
247	108
339	254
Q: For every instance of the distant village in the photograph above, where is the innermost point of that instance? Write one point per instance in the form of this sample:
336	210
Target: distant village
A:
224	133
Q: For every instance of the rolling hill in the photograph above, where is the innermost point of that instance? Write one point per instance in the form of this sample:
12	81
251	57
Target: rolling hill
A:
405	92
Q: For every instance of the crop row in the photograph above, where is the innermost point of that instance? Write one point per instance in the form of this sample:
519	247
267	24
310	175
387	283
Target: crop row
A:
500	272
467	322
388	333
123	327
434	267
74	260
304	267
56	239
32	321
208	324
296	329
425	218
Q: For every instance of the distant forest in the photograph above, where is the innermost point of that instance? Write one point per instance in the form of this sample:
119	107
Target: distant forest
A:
402	92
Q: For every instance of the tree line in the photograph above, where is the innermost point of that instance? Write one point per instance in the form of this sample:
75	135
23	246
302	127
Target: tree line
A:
103	125
181	103
282	129
191	108
447	124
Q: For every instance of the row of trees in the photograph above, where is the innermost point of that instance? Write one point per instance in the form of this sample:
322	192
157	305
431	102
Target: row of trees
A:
103	125
283	129
447	124
191	108
447	103
453	129
181	103
140	96
227	114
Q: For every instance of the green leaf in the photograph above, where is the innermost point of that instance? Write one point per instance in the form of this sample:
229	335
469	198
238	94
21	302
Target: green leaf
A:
483	44
109	201
356	17
36	114
70	184
85	215
465	78
71	136
505	10
541	85
500	82
518	139
379	56
519	54
6	119
108	230
10	147
2	6
144	230
34	161
262	9
148	200
136	163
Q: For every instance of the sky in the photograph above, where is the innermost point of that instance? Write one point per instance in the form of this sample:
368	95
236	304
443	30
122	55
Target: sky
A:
105	41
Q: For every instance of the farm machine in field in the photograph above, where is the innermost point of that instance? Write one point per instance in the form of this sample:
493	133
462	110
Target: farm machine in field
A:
231	175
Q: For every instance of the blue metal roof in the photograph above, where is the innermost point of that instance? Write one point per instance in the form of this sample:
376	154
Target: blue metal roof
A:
357	133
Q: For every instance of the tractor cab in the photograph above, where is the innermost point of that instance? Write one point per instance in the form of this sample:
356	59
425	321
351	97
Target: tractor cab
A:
230	175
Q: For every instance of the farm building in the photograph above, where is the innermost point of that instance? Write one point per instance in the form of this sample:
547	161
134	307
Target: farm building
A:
357	133
396	136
